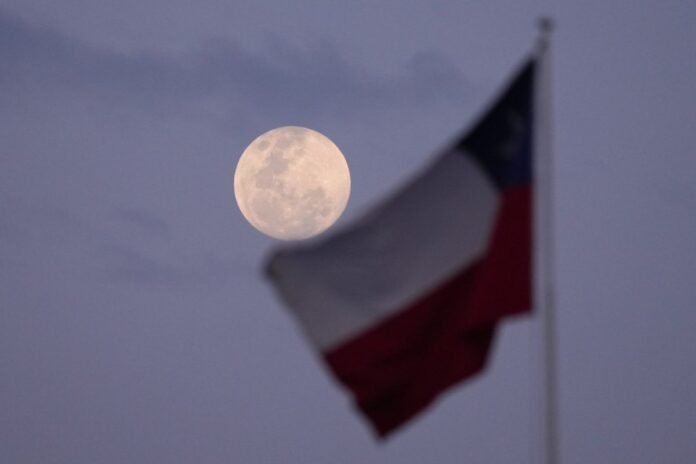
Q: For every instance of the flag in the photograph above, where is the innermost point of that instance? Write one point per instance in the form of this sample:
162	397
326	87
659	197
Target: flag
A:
404	303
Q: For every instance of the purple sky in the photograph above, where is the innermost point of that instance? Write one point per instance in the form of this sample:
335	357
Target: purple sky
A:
134	323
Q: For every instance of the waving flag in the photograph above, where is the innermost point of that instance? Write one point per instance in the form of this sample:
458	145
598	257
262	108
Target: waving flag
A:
405	303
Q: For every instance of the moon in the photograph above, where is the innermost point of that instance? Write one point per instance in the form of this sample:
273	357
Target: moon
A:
292	183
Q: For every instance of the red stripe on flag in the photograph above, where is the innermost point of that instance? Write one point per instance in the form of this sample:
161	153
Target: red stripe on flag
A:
400	366
503	284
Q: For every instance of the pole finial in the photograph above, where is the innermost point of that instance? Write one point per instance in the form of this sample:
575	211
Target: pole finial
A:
545	24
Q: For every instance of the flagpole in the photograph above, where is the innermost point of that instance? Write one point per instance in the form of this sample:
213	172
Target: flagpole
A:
545	300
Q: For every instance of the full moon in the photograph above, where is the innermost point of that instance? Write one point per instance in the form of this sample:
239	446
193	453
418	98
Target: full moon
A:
292	183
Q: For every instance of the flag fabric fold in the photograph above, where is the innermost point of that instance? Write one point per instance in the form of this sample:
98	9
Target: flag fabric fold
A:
405	303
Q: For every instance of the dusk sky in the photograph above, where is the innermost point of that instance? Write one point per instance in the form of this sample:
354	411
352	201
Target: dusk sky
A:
135	322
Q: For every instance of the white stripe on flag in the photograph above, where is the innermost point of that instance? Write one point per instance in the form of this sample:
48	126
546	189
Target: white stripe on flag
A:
355	279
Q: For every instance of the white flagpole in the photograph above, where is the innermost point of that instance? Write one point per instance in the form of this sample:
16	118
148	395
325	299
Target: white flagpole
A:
547	451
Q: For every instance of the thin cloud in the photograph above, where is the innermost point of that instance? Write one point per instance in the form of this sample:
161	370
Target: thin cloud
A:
127	265
35	57
145	221
96	253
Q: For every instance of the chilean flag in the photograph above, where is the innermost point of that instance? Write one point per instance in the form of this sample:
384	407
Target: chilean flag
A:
404	303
